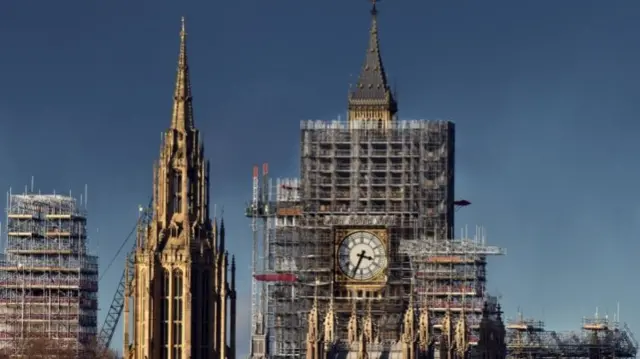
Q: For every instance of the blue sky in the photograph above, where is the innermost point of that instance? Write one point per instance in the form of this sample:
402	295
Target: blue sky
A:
544	94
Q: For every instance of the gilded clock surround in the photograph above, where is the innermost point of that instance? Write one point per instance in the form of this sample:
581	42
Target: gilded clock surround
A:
379	280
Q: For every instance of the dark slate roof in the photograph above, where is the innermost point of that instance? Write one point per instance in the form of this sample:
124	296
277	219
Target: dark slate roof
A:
372	86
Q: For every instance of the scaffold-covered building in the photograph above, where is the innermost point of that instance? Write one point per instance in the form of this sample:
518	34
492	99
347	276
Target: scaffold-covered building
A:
48	282
448	277
599	337
330	278
450	282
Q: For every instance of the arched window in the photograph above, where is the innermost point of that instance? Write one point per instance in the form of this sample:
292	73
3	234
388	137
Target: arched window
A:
380	124
177	192
164	312
177	313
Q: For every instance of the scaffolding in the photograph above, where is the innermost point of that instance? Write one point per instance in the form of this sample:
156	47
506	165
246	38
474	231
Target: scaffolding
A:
48	282
450	276
406	172
399	179
598	338
274	210
357	176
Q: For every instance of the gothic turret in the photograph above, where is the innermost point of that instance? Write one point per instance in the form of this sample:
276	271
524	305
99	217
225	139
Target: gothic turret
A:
491	344
447	343
408	339
330	335
424	331
352	329
367	324
314	339
462	331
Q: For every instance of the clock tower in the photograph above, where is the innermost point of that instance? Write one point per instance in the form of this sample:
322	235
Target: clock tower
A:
366	186
359	252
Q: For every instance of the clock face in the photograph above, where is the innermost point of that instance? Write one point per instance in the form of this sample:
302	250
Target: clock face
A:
361	256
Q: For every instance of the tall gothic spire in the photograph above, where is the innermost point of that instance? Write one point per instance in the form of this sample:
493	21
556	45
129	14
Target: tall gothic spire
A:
182	173
372	87
177	257
182	118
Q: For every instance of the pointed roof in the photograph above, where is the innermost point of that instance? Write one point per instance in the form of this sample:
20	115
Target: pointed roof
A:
222	238
372	86
182	118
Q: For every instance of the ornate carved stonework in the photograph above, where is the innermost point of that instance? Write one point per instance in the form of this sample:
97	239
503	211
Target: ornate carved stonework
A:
181	303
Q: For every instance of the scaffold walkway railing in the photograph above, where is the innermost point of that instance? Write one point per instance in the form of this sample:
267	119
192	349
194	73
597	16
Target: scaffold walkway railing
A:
462	247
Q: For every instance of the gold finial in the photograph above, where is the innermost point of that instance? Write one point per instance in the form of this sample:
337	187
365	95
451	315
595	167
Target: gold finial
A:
183	31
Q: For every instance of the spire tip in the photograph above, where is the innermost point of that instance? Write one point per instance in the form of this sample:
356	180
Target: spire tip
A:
182	116
374	9
183	29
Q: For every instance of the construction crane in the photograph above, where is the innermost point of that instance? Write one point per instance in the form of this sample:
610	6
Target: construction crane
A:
259	208
117	303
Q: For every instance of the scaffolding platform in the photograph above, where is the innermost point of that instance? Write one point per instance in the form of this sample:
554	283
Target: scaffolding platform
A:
597	338
450	275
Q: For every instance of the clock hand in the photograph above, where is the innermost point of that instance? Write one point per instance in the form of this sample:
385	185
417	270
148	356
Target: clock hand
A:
360	257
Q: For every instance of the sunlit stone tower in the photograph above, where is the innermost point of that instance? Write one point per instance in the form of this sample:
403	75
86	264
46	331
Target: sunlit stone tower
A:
183	294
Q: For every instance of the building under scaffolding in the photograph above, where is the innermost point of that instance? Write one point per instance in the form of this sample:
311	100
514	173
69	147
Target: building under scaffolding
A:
366	185
449	277
48	282
598	338
450	281
400	180
275	211
378	188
